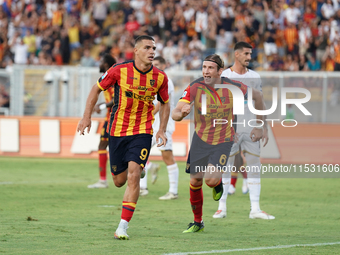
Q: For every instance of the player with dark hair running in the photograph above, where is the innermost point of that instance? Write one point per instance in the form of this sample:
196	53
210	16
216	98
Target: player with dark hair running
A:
136	83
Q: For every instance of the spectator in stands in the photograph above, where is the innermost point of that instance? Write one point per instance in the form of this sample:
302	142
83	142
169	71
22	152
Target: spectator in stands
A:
20	50
276	64
132	25
87	60
201	22
100	9
321	43
291	38
269	45
304	35
169	52
292	14
196	62
314	64
327	9
303	65
127	10
222	42
300	27
309	15
29	40
65	47
196	44
57	53
290	64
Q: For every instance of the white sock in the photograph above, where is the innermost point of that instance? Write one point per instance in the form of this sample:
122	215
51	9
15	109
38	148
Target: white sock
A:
222	203
123	223
254	185
245	182
143	183
173	178
254	181
226	177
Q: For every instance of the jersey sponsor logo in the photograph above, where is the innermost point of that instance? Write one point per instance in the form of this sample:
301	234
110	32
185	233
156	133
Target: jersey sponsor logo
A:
133	78
217	115
143	88
130	94
214	106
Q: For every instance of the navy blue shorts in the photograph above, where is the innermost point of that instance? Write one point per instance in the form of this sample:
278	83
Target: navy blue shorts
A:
104	136
201	154
123	149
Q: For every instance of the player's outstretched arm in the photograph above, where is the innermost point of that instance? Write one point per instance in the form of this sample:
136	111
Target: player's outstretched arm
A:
92	99
181	111
164	112
257	133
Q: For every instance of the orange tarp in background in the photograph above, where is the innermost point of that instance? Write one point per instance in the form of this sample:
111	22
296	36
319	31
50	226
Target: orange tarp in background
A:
303	144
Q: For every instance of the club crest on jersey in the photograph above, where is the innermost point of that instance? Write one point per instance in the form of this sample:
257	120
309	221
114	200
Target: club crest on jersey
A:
223	100
152	82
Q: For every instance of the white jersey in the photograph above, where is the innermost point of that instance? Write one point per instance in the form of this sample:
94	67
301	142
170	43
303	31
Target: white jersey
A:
251	79
171	123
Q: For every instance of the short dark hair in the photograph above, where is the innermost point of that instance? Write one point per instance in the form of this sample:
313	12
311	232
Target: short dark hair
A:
143	37
216	59
160	59
241	45
108	59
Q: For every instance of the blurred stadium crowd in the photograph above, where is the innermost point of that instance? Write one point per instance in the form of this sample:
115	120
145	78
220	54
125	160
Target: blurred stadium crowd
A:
286	34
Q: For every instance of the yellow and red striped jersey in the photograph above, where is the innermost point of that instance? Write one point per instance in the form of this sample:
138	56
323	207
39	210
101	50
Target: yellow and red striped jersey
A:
108	95
219	106
134	91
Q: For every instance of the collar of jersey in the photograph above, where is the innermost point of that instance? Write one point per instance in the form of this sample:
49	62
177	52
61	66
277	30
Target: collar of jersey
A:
140	70
211	89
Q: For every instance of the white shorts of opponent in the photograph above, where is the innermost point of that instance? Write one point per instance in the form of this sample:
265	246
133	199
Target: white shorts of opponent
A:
247	145
168	146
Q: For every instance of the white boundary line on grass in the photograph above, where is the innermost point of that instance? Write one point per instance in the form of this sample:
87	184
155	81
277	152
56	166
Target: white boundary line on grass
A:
253	249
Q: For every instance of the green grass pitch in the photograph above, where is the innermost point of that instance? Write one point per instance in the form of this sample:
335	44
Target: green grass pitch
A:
46	208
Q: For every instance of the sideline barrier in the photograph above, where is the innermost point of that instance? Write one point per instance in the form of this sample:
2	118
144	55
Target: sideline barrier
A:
57	137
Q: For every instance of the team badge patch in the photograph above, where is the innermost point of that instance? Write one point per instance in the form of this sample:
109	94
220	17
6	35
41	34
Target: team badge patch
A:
152	82
104	75
223	100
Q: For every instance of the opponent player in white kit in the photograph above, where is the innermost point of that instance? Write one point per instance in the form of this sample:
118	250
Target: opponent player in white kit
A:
251	150
166	150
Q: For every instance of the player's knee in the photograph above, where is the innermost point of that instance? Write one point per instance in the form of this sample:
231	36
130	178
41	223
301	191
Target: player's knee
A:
119	183
119	180
102	145
211	182
196	181
252	160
